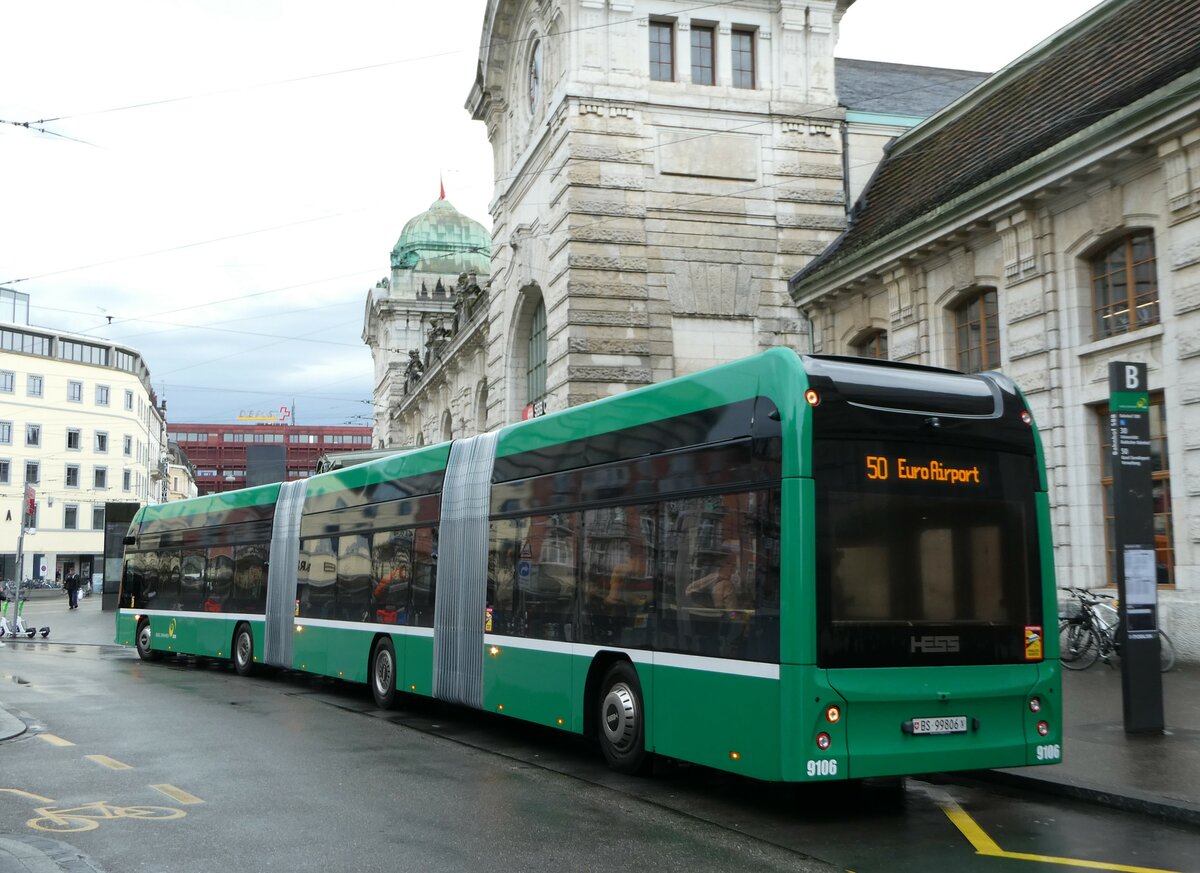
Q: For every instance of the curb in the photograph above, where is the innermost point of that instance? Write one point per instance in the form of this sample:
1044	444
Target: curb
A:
1125	799
37	854
10	725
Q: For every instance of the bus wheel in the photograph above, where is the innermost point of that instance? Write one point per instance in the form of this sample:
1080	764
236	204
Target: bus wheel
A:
383	674
622	727
243	650
144	638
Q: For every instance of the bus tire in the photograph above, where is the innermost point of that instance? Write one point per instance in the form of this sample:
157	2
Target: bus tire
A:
383	673
145	640
243	650
621	720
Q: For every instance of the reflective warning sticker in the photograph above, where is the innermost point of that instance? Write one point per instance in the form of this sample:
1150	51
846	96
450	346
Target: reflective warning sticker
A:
1033	643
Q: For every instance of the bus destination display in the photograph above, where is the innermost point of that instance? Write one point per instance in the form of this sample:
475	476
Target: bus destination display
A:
881	468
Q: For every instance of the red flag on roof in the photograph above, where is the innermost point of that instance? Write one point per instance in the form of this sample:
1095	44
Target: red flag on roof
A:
442	186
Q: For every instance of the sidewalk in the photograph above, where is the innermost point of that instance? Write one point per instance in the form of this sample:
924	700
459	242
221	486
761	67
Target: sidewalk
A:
1154	774
1157	774
86	626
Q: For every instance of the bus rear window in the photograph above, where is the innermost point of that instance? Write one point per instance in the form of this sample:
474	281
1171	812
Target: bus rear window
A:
926	555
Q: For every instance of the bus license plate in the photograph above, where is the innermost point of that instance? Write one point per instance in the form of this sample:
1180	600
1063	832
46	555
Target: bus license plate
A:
949	724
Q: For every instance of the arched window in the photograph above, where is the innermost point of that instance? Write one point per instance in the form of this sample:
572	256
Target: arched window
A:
447	426
535	76
1124	285
872	345
536	370
977	332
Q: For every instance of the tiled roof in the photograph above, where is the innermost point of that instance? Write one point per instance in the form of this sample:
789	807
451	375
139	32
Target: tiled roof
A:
1117	56
899	89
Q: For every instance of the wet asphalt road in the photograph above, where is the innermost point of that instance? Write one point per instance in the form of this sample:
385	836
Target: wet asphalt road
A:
284	772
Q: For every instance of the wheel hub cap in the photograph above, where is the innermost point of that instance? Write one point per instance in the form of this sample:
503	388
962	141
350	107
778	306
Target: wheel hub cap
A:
620	717
383	672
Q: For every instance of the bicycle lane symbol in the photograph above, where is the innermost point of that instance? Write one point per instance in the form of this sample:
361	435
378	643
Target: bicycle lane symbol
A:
88	816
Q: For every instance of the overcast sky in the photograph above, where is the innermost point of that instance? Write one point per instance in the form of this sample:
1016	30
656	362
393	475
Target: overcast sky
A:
225	179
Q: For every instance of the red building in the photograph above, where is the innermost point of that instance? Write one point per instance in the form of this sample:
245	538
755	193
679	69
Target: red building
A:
230	456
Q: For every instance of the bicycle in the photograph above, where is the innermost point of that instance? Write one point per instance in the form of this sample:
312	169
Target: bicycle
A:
88	816
1093	633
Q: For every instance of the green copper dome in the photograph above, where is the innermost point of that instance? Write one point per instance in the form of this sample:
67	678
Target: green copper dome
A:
443	240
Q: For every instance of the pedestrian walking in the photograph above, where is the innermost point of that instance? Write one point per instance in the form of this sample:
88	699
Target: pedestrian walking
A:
72	585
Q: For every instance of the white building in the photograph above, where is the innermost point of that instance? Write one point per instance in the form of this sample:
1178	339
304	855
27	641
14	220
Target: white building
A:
408	322
1044	225
181	475
661	171
80	425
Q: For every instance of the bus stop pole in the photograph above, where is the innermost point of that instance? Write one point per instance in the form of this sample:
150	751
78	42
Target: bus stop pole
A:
1135	554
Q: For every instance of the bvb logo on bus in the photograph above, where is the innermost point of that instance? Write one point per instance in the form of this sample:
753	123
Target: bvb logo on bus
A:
171	629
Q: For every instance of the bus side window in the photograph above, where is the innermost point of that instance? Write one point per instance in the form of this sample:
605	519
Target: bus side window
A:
191	593
249	578
150	581
220	580
318	573
131	581
353	576
424	578
721	576
391	576
504	545
546	590
619	567
168	580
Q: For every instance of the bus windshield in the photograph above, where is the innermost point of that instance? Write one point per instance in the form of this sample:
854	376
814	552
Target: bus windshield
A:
927	554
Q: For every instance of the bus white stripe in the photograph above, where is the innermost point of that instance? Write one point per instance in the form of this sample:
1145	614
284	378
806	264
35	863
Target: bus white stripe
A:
300	622
401	629
640	656
206	616
754	669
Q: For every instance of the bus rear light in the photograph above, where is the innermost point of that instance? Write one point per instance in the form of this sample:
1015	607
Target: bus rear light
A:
833	714
823	741
1043	728
812	397
1026	417
1035	705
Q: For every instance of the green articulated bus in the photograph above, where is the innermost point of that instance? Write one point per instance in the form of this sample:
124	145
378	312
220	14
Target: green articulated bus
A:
791	567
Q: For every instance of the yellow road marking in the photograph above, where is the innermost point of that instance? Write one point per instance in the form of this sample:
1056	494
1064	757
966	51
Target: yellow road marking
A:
985	845
177	794
20	793
55	741
110	763
88	816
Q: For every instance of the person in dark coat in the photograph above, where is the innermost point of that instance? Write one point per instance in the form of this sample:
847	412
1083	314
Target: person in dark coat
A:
72	586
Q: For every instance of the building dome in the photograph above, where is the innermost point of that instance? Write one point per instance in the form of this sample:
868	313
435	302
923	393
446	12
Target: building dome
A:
443	240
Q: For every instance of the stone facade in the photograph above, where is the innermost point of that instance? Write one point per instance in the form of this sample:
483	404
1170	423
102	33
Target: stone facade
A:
1032	231
422	323
654	222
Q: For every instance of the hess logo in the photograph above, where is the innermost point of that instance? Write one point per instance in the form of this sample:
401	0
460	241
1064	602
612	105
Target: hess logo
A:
933	644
